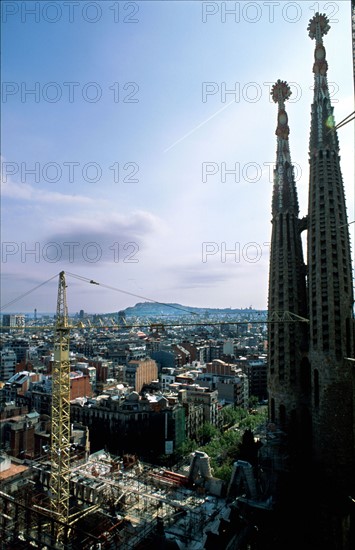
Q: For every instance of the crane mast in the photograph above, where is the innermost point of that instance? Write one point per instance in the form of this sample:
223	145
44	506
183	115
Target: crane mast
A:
60	412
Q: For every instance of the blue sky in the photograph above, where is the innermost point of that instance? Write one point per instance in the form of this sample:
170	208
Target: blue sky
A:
123	144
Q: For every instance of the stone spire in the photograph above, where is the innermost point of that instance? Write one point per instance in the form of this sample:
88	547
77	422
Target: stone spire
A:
330	289
287	285
284	192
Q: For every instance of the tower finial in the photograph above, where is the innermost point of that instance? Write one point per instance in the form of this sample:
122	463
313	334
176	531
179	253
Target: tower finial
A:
284	190
318	26
322	112
280	92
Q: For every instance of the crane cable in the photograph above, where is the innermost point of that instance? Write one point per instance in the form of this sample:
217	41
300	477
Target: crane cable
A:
345	120
342	123
27	293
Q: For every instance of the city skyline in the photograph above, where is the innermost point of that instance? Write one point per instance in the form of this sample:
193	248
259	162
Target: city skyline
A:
165	236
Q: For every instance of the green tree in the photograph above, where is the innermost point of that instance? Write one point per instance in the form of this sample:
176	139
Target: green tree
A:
253	401
224	471
207	432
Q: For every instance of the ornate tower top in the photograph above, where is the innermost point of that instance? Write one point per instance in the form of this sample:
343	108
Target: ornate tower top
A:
318	27
322	134
280	92
284	195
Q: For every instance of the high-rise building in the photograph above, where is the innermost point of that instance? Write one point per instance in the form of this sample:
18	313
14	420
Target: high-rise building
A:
13	323
8	363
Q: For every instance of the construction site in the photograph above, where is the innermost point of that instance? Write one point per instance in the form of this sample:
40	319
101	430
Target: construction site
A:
113	504
122	503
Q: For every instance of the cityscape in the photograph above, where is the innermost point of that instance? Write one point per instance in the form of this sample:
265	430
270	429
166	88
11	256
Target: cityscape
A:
187	418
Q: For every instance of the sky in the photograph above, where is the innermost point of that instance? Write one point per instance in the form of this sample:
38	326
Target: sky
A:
138	140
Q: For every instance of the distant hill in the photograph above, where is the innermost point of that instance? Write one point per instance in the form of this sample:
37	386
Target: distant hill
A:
173	309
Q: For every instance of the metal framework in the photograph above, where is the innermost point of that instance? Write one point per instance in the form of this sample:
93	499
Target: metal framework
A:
60	414
285	317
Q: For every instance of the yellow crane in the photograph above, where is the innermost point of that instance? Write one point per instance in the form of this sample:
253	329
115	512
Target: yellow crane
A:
60	419
60	414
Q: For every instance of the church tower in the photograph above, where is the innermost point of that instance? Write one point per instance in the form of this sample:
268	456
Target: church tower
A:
330	289
287	282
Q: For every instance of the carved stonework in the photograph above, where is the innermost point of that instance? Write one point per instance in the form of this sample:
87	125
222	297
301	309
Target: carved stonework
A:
280	91
318	26
320	64
282	129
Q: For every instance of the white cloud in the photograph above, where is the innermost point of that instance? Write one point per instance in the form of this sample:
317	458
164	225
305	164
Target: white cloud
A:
26	192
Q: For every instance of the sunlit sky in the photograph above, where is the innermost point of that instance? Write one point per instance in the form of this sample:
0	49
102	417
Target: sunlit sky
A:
113	168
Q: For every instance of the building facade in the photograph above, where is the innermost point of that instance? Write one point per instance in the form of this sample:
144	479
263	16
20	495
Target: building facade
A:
8	361
139	372
138	425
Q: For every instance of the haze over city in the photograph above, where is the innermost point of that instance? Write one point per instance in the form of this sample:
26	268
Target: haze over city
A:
115	166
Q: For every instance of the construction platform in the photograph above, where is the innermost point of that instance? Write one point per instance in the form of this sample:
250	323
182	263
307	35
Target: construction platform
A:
114	503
